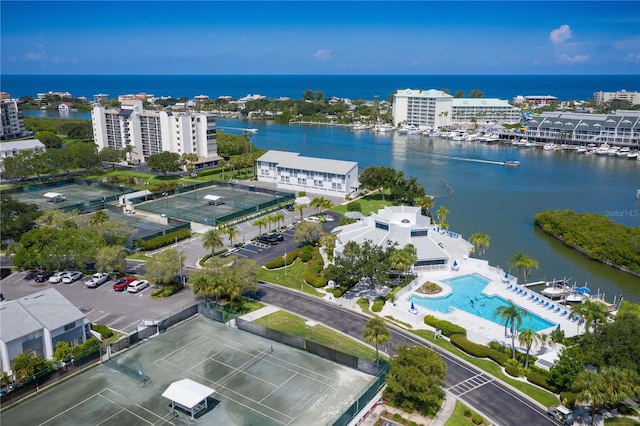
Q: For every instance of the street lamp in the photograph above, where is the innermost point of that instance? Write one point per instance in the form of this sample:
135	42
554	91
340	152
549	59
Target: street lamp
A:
285	263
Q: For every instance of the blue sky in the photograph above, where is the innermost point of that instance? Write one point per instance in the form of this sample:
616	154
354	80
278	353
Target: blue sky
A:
304	37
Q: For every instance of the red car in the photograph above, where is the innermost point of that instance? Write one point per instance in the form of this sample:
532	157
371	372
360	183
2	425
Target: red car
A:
123	283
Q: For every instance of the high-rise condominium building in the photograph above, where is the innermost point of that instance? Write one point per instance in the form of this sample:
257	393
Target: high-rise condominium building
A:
12	120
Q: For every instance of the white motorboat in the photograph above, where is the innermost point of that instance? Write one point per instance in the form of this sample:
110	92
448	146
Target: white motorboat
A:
581	150
623	151
556	289
549	147
632	155
603	149
578	295
492	138
613	151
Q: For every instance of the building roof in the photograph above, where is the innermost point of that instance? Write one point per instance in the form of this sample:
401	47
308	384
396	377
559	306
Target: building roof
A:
187	393
21	145
417	93
294	160
44	309
480	102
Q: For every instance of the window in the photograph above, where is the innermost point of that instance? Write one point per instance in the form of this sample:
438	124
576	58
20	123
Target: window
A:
381	225
69	326
419	233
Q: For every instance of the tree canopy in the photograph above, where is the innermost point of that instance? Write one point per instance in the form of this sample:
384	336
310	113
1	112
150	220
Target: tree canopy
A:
165	162
225	278
415	380
16	217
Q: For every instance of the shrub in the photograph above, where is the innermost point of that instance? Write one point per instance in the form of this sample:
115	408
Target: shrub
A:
105	331
337	292
163	240
378	304
165	291
447	328
398	418
477	419
306	254
541	379
467	412
479	351
570	397
278	262
354	206
346	221
512	370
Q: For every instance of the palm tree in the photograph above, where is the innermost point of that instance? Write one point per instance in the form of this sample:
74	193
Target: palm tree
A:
128	150
300	208
263	221
376	333
279	217
522	262
232	232
480	241
528	338
592	313
316	203
591	388
512	317
426	204
326	204
212	240
441	214
544	337
272	219
410	254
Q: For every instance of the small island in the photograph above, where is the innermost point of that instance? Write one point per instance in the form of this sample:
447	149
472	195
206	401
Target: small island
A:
596	236
429	288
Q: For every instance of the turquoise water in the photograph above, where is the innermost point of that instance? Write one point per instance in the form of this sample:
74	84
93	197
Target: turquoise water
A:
466	295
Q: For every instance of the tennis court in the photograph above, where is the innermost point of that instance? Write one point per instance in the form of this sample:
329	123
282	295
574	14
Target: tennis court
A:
71	195
143	226
255	381
213	204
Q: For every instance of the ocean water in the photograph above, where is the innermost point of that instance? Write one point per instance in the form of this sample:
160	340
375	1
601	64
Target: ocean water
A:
564	87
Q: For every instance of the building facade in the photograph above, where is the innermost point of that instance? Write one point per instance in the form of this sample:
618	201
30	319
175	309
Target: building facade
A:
11	119
291	171
619	129
622	95
433	109
38	322
397	224
153	132
13	148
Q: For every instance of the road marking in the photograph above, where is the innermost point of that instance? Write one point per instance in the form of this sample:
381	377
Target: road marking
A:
99	318
113	322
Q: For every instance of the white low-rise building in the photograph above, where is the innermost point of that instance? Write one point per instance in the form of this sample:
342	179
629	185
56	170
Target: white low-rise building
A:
11	149
290	170
38	322
402	225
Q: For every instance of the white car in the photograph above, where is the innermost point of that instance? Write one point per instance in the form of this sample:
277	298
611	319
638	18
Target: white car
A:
97	280
314	219
137	285
72	277
57	277
328	218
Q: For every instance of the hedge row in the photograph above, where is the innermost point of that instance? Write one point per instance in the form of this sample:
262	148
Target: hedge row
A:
447	328
479	351
306	254
278	262
163	240
104	331
166	291
541	379
378	304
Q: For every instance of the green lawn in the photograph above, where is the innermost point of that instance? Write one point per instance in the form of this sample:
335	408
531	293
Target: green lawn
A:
369	203
621	421
290	277
292	324
458	417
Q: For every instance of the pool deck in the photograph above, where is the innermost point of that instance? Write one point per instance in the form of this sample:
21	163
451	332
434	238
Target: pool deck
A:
478	329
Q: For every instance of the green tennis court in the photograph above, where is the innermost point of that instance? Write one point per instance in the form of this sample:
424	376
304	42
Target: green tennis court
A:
69	195
255	381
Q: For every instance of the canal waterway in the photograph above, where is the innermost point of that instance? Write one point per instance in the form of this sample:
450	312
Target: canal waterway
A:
487	196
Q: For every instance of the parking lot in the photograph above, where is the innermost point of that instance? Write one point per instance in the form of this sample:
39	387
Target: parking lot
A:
118	310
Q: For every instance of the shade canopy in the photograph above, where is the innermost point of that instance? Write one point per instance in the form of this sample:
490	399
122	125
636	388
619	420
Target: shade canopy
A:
52	195
187	393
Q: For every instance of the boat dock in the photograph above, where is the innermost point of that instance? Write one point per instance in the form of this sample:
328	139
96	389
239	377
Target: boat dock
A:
533	284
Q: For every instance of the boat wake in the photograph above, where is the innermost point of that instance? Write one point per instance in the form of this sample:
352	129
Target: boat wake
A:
471	160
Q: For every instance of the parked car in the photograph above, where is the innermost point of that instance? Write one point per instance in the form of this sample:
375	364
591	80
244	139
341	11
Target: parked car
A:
328	218
97	280
72	277
43	276
57	277
122	283
289	207
267	239
137	285
561	414
4	272
314	219
277	236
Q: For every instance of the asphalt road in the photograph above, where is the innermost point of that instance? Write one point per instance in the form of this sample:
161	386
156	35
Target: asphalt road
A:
496	401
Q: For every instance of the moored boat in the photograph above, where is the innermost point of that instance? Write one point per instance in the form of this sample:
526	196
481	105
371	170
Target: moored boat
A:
512	163
577	295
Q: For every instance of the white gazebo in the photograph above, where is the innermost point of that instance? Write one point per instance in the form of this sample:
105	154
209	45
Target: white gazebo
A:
188	395
54	197
213	199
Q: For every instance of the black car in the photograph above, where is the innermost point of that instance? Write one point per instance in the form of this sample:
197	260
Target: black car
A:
267	239
43	276
277	236
4	272
289	207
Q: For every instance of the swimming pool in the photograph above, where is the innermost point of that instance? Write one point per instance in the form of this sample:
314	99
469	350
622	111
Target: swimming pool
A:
466	295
